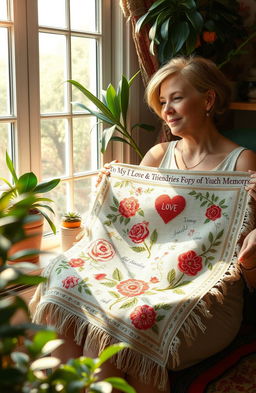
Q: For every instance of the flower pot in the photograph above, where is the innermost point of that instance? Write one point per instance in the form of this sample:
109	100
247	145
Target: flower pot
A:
69	236
34	230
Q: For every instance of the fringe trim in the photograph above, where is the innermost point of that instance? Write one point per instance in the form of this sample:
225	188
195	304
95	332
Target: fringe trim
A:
95	339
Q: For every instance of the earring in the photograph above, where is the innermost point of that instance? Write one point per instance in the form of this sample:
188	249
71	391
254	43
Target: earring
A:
207	113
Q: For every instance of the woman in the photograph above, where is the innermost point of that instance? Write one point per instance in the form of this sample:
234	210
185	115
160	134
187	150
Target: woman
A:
187	94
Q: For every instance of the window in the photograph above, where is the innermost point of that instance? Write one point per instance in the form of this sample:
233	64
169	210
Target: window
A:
43	44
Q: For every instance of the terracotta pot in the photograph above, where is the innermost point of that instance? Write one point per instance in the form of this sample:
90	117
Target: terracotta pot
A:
69	236
35	230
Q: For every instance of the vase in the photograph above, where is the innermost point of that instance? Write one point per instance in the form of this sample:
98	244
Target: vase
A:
70	236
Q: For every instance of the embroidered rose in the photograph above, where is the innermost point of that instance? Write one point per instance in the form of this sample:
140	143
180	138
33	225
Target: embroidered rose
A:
76	262
128	207
143	317
213	212
139	232
99	276
190	263
132	287
154	280
70	282
101	250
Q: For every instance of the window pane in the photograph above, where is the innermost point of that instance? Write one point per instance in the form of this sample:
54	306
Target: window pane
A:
52	49
4	73
53	147
84	67
85	144
4	145
83	15
83	195
3	9
52	13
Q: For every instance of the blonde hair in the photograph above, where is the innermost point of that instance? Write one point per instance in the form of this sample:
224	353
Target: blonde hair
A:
201	73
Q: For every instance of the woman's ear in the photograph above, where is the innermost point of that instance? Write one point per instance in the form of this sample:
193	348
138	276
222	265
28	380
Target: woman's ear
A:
210	99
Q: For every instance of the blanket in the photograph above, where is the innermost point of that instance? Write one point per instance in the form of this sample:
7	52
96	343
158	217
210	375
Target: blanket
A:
157	244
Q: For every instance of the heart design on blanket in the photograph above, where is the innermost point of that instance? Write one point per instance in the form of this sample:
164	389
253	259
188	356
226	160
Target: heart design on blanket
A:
169	208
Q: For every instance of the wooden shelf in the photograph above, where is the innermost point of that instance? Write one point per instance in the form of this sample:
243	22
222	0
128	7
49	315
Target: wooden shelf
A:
243	106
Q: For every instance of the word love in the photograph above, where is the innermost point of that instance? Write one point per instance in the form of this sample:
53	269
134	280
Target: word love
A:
169	208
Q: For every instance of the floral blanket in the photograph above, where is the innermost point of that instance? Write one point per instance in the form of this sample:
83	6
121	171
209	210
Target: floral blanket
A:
156	243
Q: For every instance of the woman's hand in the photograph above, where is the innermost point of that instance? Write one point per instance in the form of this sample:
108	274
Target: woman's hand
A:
104	171
251	187
247	255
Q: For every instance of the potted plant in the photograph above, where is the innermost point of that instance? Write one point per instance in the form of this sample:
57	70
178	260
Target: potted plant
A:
70	230
71	220
113	110
25	348
212	29
33	224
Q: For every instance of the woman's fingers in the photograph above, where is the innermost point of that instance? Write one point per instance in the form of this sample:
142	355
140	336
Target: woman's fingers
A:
251	187
104	171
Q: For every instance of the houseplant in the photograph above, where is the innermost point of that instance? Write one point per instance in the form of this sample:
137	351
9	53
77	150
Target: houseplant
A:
33	224
24	370
113	110
71	220
213	29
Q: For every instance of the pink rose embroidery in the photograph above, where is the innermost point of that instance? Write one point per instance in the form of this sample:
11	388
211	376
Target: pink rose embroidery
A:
101	250
154	280
99	276
190	263
143	317
139	232
128	207
213	212
132	287
76	262
70	282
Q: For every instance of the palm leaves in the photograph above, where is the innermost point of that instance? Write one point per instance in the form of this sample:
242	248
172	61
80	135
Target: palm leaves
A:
113	111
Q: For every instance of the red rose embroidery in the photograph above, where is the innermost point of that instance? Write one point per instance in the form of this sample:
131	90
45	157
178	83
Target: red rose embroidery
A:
132	287
213	212
128	207
139	232
154	280
76	262
143	317
70	282
101	250
99	276
190	263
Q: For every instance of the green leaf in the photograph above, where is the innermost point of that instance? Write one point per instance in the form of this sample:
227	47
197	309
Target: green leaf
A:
210	237
196	20
138	249
113	102
45	363
106	137
129	303
11	168
180	33
109	352
165	29
219	235
117	275
171	276
103	108
147	127
133	78
26	182
98	115
100	387
118	139
153	237
123	97
114	294
109	284
40	339
46	186
120	384
53	228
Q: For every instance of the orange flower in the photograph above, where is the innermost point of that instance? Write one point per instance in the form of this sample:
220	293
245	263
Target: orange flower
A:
209	36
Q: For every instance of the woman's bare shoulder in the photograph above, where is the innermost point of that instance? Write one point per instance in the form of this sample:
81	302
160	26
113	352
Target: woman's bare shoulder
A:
155	155
246	161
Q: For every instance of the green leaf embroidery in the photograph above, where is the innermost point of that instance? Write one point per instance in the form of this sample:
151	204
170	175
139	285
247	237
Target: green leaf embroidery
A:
130	303
138	249
114	294
117	275
171	276
153	237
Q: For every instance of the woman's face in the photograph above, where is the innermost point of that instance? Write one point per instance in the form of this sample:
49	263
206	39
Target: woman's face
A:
183	107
